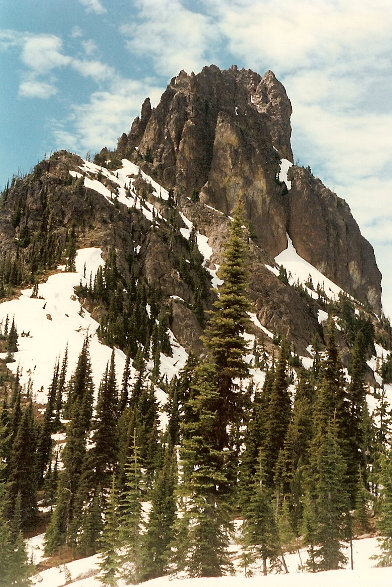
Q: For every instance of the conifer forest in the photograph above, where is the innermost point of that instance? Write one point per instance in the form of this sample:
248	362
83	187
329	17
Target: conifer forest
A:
300	463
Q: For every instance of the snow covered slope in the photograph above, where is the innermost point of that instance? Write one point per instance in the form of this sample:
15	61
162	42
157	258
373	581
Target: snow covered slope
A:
83	573
53	320
300	270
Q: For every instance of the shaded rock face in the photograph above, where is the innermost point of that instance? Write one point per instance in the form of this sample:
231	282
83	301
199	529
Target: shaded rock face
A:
326	235
220	135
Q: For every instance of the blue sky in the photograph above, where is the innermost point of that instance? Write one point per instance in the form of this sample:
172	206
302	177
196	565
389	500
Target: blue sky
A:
74	74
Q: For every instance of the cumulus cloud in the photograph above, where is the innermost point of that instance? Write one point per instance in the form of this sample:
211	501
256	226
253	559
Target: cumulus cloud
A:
94	69
289	35
90	47
42	53
172	35
76	32
34	88
94	6
105	117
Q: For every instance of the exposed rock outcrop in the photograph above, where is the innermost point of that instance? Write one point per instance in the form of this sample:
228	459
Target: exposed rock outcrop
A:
220	135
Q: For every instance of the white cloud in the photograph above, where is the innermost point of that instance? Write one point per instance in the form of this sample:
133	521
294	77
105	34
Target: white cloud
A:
76	32
173	36
9	38
95	69
90	47
34	88
347	147
105	117
287	34
93	6
42	53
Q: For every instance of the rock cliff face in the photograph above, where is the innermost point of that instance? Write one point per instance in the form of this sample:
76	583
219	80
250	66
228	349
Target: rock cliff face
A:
219	135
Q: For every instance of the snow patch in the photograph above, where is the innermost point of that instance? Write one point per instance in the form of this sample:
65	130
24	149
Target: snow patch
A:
54	320
285	165
300	270
322	316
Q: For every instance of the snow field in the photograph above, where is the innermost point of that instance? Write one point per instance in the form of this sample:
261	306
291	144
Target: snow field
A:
48	324
83	573
299	269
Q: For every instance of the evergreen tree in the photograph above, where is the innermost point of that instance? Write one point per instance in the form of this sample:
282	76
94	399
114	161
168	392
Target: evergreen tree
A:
131	518
384	524
124	394
159	534
279	413
356	396
60	392
23	472
260	532
45	441
57	530
12	339
309	529
331	403
110	558
205	525
104	453
224	332
63	528
92	525
331	500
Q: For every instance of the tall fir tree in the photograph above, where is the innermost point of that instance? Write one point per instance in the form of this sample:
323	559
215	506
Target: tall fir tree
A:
356	396
201	544
44	449
105	450
331	499
223	335
278	416
110	557
130	517
63	528
384	523
160	527
22	469
260	532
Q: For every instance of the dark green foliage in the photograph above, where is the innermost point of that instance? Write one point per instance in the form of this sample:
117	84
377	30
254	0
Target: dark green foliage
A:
70	251
384	524
67	518
386	369
104	454
356	396
45	440
205	525
160	531
283	275
331	402
12	340
260	531
223	335
23	473
278	415
331	501
110	558
130	518
57	531
126	321
352	324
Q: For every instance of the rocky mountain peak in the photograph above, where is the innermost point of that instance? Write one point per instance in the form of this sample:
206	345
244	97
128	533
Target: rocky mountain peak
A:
219	135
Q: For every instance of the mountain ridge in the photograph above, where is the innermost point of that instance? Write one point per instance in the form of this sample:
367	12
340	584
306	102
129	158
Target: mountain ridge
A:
220	135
